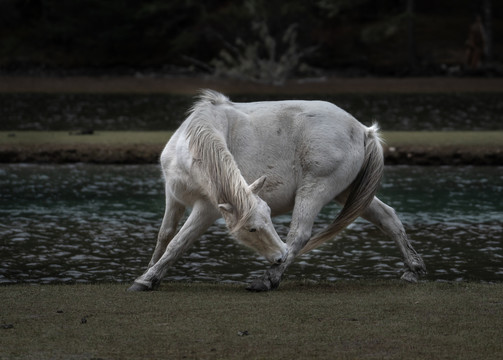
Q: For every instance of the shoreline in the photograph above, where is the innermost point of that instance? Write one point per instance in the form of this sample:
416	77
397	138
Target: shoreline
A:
144	147
430	155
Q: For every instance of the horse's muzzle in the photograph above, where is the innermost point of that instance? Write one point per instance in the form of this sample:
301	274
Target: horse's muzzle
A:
281	259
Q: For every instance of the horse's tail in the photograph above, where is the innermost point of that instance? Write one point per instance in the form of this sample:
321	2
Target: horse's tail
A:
362	190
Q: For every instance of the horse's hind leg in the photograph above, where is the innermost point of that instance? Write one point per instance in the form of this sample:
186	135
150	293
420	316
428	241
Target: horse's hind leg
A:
385	218
172	215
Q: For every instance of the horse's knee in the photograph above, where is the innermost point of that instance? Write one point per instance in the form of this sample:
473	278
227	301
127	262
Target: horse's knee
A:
385	218
385	215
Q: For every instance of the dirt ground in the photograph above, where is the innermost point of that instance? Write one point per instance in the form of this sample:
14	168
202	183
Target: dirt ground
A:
190	85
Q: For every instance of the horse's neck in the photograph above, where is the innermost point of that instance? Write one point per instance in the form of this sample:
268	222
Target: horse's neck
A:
213	158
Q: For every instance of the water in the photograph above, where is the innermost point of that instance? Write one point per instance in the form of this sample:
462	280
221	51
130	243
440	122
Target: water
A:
92	223
165	112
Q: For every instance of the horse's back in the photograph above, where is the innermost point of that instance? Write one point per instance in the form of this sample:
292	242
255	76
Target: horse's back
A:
322	119
285	128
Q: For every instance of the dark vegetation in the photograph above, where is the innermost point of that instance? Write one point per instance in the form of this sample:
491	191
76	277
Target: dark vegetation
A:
257	39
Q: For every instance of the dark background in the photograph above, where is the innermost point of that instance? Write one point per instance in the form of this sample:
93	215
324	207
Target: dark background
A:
307	38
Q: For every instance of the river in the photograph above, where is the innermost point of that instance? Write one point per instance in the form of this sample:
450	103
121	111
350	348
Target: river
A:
84	223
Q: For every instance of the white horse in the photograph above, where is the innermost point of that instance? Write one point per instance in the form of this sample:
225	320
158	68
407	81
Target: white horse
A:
298	155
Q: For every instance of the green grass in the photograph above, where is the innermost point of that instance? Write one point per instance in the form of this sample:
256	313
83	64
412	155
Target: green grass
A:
392	138
346	320
444	138
98	138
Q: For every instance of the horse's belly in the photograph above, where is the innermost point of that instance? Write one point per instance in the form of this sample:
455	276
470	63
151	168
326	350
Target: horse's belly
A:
279	205
279	194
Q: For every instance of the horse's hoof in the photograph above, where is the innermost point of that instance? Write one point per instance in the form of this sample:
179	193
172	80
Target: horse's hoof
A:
259	285
139	287
409	276
416	266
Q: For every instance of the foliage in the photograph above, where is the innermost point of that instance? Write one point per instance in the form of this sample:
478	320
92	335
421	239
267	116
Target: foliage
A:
336	7
384	29
265	40
261	60
267	48
94	32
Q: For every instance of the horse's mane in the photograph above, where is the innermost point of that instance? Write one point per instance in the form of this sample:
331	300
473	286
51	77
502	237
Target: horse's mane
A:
213	158
209	97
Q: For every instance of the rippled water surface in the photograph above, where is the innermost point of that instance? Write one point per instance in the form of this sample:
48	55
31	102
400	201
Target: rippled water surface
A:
92	223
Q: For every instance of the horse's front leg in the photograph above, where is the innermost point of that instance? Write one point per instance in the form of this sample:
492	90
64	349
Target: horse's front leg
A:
303	217
201	217
172	215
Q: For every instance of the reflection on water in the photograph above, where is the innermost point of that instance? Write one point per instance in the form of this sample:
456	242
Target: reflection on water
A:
88	223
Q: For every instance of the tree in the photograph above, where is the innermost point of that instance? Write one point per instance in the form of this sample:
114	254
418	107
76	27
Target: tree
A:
411	34
487	15
259	53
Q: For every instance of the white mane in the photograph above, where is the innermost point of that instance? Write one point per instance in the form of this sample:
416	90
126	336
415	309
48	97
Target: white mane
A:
214	160
209	97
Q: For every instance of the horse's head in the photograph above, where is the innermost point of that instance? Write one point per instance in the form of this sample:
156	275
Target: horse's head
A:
256	229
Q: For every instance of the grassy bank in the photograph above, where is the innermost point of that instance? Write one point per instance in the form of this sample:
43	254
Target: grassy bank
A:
97	138
128	147
344	320
444	138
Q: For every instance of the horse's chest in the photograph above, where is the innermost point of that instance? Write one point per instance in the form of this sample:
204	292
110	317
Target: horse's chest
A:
184	186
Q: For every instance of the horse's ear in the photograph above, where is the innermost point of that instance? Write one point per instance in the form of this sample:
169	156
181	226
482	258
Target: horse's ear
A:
228	208
258	184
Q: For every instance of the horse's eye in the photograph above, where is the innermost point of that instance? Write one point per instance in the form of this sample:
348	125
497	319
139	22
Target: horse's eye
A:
253	230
